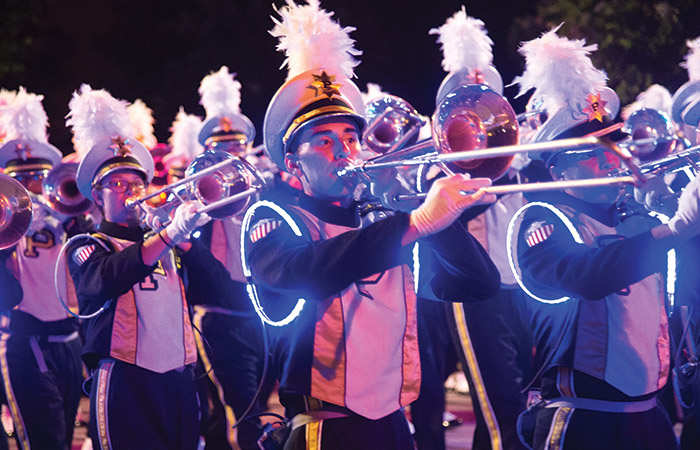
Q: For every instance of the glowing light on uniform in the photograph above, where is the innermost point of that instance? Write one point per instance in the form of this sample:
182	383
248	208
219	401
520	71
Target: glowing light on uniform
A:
416	266
252	291
509	238
670	265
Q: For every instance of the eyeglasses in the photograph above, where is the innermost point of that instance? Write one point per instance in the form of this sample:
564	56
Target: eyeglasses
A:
120	186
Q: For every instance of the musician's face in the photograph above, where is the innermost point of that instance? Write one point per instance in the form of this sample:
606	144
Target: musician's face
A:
596	163
31	180
236	147
112	193
323	148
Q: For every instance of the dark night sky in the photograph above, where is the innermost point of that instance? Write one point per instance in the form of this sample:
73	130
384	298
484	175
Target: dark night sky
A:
159	51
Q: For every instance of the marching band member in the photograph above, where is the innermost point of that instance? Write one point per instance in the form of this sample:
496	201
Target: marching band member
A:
230	345
601	330
136	286
491	338
348	363
685	322
40	348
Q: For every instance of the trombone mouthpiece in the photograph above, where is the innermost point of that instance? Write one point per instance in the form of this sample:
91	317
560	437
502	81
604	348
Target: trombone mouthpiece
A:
132	202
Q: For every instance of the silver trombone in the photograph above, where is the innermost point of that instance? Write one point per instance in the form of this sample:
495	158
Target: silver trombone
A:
222	182
15	211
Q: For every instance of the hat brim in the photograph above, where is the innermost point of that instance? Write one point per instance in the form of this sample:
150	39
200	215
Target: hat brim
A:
41	150
94	160
684	96
239	123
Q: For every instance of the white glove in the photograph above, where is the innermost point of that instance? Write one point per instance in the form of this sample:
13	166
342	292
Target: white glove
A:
686	222
153	218
39	215
446	201
655	195
185	220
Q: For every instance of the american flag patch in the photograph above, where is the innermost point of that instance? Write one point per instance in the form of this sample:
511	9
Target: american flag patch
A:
263	228
82	254
539	232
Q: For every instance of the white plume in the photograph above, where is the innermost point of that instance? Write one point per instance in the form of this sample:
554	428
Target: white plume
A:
95	114
220	93
560	70
184	138
654	97
465	43
6	96
374	91
692	59
310	39
141	117
23	117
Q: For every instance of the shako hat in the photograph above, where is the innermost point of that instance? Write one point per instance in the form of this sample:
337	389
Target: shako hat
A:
467	54
104	135
571	90
220	95
26	147
320	59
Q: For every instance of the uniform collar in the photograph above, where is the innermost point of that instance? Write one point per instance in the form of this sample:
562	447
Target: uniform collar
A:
606	215
328	212
120	231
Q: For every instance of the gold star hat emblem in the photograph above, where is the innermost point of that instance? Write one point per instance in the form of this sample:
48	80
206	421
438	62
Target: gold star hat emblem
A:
324	84
595	109
111	154
120	146
320	92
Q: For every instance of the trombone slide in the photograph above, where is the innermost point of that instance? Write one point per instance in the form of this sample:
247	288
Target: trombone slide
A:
537	187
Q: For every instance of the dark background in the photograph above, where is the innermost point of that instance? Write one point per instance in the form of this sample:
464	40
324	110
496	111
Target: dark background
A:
159	51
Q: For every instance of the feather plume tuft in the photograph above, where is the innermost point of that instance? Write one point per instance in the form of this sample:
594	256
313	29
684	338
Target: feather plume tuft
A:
560	70
23	117
141	117
465	43
692	59
95	114
374	91
310	38
184	139
220	93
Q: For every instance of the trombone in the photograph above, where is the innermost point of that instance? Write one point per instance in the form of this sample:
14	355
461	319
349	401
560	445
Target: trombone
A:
61	191
222	182
15	211
635	175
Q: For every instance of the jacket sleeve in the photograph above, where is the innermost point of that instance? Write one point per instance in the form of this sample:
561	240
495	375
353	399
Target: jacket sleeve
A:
560	264
455	267
293	265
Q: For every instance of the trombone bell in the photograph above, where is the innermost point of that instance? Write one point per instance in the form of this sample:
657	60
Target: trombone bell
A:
219	185
15	211
475	117
61	191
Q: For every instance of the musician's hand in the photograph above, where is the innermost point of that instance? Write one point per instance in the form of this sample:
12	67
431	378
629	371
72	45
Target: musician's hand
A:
40	213
150	217
655	195
447	198
686	222
386	185
185	220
